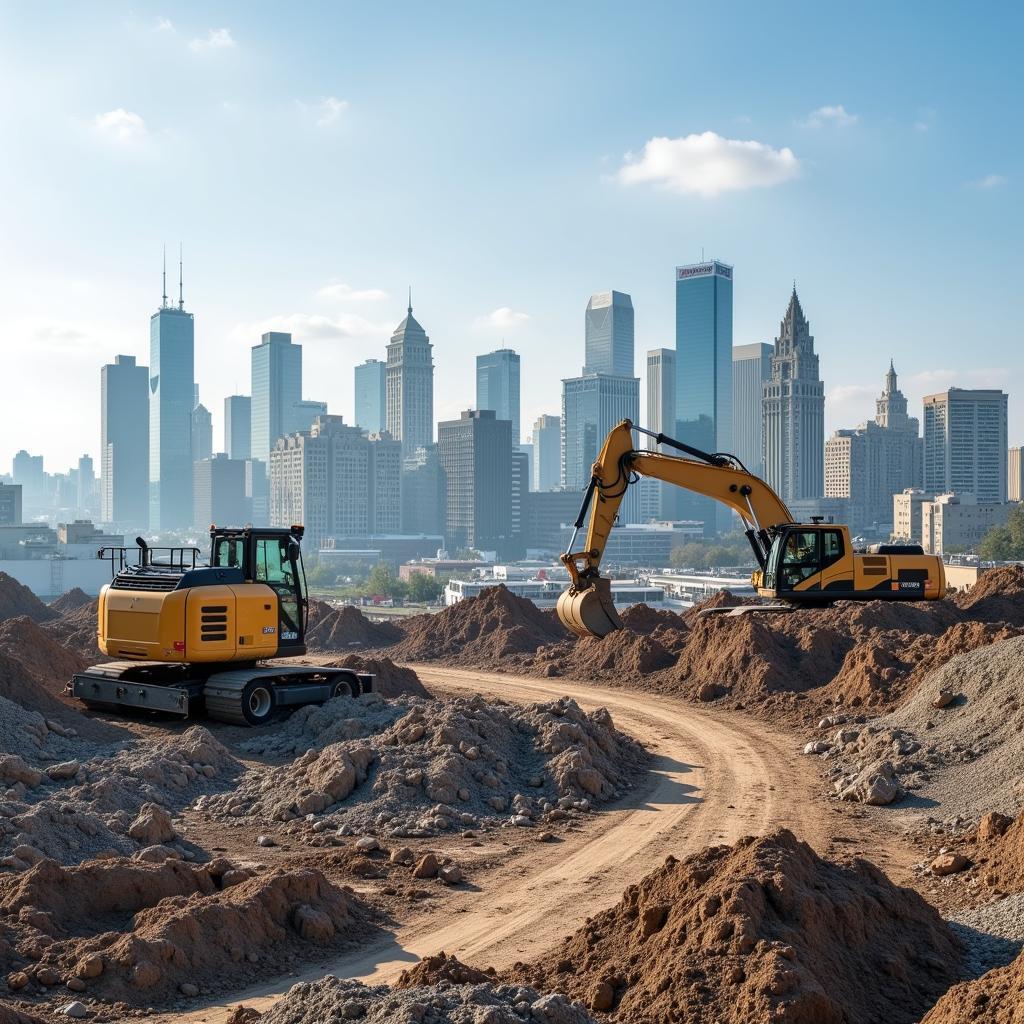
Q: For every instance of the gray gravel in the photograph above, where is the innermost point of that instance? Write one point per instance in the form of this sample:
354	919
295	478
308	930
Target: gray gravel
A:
993	934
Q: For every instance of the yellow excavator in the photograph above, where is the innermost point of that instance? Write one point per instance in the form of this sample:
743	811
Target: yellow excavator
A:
193	636
799	564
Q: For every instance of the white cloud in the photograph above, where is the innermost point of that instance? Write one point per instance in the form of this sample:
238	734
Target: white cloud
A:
313	327
216	39
164	25
836	115
504	317
989	181
851	404
708	164
120	125
329	110
340	292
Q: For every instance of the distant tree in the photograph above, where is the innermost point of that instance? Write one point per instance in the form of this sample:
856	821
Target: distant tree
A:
422	587
1005	543
382	580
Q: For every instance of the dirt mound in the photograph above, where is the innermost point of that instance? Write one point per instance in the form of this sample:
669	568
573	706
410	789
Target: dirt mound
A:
331	999
995	998
69	602
11	1015
621	654
389	679
998	850
480	629
339	629
43	657
16	599
720	599
434	969
139	932
761	931
958	739
997	596
445	764
20	686
77	630
641	618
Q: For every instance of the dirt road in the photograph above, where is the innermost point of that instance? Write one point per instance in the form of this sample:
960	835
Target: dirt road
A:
715	778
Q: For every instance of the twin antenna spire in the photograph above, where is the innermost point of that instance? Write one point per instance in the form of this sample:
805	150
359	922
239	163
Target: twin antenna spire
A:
181	295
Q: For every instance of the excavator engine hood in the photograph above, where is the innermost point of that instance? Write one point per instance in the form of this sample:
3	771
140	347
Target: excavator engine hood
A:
588	609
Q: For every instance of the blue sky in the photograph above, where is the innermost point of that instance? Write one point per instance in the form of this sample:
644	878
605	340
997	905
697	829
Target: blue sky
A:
506	161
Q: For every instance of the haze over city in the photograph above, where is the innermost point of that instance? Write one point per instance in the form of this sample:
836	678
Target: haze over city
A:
505	165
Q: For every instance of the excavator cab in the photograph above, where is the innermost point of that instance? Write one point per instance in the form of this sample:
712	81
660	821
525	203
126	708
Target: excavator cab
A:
803	553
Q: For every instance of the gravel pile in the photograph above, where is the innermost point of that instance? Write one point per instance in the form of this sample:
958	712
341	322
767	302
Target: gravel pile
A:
333	1000
439	765
957	745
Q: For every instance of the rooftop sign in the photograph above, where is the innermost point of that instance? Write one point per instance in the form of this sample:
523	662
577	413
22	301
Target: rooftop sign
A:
704	270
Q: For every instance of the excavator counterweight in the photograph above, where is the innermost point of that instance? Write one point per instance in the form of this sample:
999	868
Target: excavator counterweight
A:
799	564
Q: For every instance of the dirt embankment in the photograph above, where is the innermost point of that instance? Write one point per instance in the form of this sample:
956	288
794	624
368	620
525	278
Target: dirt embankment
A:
346	628
16	599
71	601
764	931
995	998
77	630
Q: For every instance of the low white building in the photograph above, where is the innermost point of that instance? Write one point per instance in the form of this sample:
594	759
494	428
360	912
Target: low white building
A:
958	522
685	589
545	593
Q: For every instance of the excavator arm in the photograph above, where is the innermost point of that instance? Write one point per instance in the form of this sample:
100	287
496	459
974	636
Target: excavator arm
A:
586	607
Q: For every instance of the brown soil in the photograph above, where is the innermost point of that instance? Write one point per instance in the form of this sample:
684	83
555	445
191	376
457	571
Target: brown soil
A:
442	967
11	1015
147	929
73	599
77	629
998	851
340	629
497	624
48	661
16	599
762	931
19	685
995	998
389	679
997	596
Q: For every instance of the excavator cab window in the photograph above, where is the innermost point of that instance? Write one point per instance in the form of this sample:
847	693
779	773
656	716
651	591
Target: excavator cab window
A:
801	557
230	551
275	565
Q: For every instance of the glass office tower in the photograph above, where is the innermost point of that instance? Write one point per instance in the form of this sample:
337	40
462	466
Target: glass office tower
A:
609	334
497	386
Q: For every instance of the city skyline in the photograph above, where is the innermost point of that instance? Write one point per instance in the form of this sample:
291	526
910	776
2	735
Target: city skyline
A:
835	183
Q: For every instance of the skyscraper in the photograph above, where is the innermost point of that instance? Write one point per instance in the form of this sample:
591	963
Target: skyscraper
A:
546	471
751	367
965	449
371	395
124	443
793	407
423	493
276	390
476	455
202	434
704	374
591	406
1015	475
238	427
659	499
171	401
497	386
609	334
219	492
410	385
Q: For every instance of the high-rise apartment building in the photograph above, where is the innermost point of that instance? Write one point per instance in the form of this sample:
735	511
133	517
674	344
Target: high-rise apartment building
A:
423	493
171	401
906	513
751	367
1015	475
124	443
27	470
520	496
497	386
965	444
591	406
609	334
10	504
276	391
876	460
410	385
793	406
546	468
336	480
202	434
476	456
954	523
219	492
238	427
658	499
371	395
704	375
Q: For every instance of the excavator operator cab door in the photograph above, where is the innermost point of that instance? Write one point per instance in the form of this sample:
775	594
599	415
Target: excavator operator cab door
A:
803	552
276	563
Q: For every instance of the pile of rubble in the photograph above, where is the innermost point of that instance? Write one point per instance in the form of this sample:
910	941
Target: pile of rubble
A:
438	765
763	931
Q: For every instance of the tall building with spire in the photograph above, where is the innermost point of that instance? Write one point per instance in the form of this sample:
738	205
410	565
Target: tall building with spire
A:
171	401
410	385
872	463
793	410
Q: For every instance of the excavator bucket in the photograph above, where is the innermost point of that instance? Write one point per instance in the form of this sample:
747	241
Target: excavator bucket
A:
589	612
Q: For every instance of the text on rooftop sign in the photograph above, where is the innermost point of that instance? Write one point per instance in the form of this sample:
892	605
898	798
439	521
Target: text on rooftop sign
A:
703	270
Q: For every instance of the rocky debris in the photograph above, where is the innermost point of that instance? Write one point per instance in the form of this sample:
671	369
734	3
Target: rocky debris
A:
432	970
141	932
389	679
761	931
331	999
341	629
996	997
876	784
16	599
479	630
948	864
441	765
30	735
967	756
998	851
71	601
